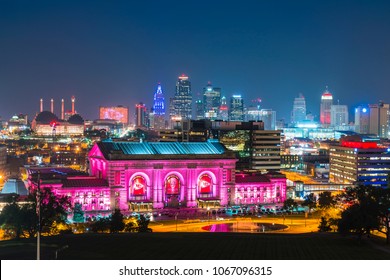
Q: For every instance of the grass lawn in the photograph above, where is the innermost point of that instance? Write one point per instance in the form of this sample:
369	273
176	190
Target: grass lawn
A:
241	246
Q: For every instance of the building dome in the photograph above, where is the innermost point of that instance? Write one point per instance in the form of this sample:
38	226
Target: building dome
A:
46	117
76	119
14	186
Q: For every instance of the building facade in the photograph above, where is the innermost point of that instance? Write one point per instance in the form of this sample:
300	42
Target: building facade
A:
236	108
358	162
326	104
211	101
182	101
298	113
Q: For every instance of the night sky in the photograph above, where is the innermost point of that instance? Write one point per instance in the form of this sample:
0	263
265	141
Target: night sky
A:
115	52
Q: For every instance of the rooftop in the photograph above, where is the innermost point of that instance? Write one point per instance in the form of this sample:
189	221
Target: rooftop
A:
110	148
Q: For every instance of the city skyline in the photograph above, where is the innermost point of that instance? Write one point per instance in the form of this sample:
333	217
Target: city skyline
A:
110	54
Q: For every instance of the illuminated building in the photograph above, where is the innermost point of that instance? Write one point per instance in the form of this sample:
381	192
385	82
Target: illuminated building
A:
157	174
338	116
359	162
182	101
379	119
362	120
223	110
265	149
157	118
118	113
3	163
18	123
48	124
298	113
199	111
141	119
94	194
211	101
236	108
255	188
326	103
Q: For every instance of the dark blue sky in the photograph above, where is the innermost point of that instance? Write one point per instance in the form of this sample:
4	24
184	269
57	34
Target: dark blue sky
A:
115	52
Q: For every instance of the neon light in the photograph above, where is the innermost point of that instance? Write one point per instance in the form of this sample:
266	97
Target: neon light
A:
359	145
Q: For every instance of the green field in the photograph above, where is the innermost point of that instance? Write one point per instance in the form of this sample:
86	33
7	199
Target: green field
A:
240	246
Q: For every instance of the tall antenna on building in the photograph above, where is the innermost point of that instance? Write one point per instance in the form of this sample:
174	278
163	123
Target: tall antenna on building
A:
41	105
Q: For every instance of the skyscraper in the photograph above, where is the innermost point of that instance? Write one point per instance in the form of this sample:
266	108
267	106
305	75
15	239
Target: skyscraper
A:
223	110
362	120
158	117
182	102
298	113
326	103
236	108
159	102
199	110
338	115
140	115
379	119
211	101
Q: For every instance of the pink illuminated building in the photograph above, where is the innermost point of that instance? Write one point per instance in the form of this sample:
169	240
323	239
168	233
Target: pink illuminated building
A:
141	176
179	174
92	193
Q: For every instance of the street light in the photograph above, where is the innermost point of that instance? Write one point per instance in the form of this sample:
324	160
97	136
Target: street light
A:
39	216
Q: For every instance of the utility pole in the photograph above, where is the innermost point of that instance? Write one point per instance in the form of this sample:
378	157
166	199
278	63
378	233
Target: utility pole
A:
39	216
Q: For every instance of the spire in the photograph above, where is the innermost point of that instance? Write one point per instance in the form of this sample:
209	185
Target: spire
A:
159	101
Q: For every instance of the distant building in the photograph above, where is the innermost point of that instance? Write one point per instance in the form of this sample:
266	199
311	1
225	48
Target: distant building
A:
338	115
362	119
326	103
157	120
141	117
211	101
182	101
298	113
48	124
236	108
223	110
379	119
355	161
118	113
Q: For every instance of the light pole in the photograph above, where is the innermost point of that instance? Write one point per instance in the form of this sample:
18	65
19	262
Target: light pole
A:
176	220
208	213
39	216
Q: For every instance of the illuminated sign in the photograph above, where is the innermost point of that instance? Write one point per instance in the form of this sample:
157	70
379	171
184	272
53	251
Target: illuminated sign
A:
359	145
120	114
172	185
205	184
138	186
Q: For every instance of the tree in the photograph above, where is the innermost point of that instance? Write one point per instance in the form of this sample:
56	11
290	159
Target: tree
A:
54	208
326	200
310	201
117	224
143	224
324	225
78	213
100	225
11	219
362	213
290	204
383	198
22	220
